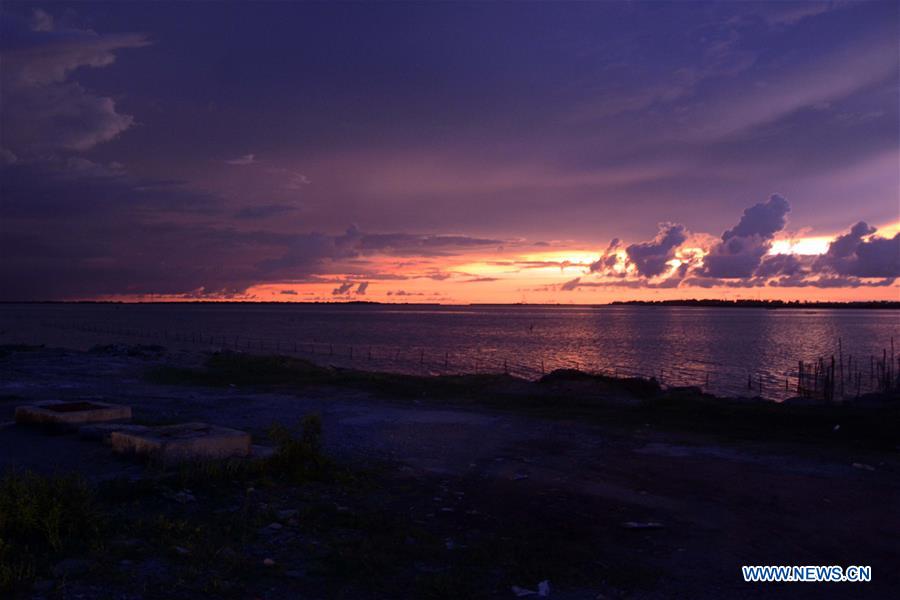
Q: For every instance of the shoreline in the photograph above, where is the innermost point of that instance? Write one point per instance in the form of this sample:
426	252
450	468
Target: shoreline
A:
448	487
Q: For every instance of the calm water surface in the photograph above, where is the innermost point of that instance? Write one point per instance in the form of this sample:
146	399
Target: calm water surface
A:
682	345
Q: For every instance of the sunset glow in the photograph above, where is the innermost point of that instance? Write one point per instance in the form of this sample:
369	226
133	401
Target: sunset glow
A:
747	155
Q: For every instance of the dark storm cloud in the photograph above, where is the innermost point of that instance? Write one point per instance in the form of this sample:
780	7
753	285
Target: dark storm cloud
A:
780	264
650	258
668	283
609	258
572	284
57	187
342	289
307	251
42	109
85	260
741	259
763	219
71	228
742	248
859	253
831	281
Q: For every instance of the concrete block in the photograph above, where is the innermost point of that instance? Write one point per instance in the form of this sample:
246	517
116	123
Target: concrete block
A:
186	441
71	413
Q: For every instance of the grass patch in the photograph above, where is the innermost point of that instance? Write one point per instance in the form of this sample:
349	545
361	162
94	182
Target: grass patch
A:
299	457
233	368
43	519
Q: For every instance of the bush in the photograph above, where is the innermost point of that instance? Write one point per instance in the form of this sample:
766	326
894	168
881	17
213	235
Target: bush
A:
300	457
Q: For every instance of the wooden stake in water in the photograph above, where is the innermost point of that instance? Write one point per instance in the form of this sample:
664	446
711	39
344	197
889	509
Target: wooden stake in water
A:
831	380
871	370
841	355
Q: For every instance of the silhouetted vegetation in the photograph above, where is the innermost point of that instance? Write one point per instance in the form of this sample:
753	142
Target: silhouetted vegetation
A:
761	304
43	519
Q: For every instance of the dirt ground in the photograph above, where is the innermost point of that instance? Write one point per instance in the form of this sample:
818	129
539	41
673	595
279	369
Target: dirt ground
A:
458	471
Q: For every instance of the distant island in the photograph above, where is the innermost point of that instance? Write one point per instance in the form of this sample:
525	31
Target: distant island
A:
872	304
883	304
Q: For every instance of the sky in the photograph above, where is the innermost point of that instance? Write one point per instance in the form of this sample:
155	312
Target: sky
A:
450	152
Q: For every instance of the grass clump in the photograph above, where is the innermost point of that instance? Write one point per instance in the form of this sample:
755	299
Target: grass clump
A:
299	454
42	519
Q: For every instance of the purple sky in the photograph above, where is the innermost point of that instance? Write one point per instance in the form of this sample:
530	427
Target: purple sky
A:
210	149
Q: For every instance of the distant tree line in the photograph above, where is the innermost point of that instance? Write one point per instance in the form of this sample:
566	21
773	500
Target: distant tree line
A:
890	304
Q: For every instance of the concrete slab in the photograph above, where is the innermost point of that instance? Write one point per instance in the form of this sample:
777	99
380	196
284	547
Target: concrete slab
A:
103	431
72	413
186	441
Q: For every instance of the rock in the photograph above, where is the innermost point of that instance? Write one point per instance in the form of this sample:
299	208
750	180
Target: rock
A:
642	525
275	526
269	562
71	567
287	514
295	574
182	497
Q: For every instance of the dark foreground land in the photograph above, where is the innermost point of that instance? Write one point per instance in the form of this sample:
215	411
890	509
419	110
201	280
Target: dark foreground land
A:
388	486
